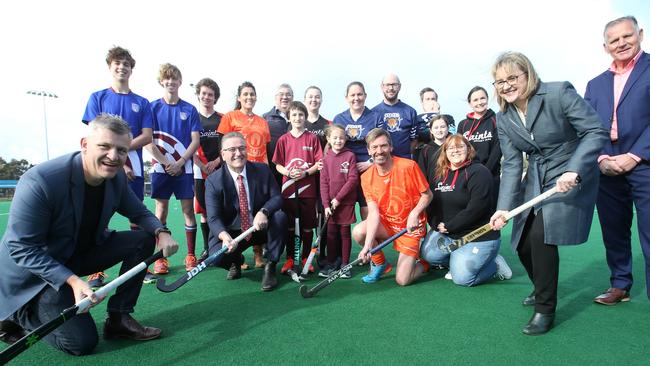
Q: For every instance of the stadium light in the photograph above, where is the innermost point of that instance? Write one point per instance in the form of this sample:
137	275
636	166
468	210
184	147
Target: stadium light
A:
45	95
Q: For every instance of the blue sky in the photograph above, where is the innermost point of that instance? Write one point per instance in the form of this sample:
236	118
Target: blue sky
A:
449	47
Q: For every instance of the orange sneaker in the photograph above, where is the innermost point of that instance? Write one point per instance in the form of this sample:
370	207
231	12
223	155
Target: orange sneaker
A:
190	262
96	280
161	266
287	266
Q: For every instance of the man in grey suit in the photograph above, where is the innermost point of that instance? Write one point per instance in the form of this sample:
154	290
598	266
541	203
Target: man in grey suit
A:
57	232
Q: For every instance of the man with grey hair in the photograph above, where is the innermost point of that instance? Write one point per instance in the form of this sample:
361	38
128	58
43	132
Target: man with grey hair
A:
58	232
399	118
620	95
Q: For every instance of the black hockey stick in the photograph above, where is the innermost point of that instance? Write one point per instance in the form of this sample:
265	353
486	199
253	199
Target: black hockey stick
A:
446	244
307	292
37	334
212	258
314	249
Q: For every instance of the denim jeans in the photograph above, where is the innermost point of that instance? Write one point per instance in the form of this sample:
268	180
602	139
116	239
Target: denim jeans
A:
470	265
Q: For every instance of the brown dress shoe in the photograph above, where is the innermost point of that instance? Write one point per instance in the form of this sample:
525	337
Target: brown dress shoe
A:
612	296
124	326
11	332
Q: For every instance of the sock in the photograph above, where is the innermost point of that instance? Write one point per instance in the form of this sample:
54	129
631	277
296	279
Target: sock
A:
378	258
190	236
346	244
205	231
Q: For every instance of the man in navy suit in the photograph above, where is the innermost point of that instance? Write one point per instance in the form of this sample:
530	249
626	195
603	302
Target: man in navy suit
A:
57	232
621	96
243	187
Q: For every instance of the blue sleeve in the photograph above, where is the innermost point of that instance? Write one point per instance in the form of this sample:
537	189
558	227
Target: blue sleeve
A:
93	109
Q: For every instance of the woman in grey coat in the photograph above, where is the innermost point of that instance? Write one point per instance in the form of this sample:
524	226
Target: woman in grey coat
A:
561	136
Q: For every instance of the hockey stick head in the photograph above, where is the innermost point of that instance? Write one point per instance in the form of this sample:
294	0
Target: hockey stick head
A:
304	292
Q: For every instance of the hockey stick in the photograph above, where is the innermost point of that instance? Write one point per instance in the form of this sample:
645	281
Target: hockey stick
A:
297	240
314	249
307	292
448	245
37	334
213	258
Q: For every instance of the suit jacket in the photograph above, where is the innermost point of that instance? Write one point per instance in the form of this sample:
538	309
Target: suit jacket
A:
562	133
633	112
222	200
44	223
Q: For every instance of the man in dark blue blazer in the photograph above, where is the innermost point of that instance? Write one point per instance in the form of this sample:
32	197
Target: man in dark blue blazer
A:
621	96
57	232
225	202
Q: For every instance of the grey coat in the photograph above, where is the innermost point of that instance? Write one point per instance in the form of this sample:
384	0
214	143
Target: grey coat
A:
562	133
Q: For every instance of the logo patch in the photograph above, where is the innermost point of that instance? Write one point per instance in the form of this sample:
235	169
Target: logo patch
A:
135	107
392	121
183	116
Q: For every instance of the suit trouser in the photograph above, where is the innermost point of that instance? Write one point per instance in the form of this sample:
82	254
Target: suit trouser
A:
78	335
273	236
541	261
616	197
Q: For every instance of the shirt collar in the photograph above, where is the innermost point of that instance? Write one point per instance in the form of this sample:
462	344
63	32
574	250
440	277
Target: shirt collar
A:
234	174
628	67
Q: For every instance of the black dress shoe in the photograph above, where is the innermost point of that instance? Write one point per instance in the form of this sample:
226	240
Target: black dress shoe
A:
11	332
269	281
234	273
539	324
529	300
124	326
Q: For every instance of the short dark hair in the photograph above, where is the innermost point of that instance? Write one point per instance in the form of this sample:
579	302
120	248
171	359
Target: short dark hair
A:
119	53
474	90
426	90
295	105
208	83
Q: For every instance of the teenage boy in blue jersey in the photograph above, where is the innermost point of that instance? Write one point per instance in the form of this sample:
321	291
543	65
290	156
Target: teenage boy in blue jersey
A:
175	140
119	100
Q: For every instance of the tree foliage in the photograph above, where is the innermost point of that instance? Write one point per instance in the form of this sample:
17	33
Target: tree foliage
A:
14	169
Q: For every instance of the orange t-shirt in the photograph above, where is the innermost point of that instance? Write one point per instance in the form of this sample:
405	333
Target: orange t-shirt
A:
255	130
396	194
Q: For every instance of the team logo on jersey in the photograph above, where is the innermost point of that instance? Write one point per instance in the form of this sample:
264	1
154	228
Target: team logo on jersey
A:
170	147
392	121
354	132
183	116
345	167
135	107
297	163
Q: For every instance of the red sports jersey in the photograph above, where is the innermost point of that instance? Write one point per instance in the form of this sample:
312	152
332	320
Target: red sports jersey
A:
299	152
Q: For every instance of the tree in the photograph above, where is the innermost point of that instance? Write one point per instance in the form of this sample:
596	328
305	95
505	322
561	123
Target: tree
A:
14	169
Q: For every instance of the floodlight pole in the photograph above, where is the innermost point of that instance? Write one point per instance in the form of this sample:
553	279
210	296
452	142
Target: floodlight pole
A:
44	94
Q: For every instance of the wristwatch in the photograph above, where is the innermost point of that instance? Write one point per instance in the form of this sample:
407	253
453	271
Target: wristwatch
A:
161	230
265	212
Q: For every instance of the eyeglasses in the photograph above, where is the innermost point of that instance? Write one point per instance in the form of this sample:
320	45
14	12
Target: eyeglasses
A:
392	85
511	80
458	147
241	149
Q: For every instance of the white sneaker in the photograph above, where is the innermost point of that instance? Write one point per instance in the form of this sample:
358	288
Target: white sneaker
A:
448	276
503	270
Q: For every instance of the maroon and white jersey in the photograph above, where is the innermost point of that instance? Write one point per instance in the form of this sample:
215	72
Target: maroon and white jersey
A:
298	152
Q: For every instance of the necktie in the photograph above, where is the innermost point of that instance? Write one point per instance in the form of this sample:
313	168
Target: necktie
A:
243	206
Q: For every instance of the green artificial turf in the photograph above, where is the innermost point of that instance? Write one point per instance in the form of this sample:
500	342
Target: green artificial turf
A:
212	321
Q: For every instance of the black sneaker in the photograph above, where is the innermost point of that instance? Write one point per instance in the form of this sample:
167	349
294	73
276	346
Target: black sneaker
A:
347	274
325	271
